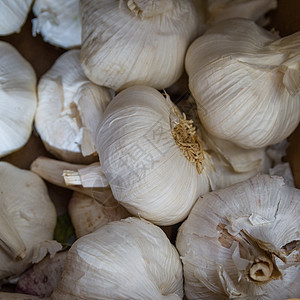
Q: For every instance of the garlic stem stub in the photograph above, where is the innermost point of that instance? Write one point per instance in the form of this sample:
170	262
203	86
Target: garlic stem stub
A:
27	219
151	157
121	261
243	242
69	110
245	81
52	170
126	43
13	14
17	99
58	21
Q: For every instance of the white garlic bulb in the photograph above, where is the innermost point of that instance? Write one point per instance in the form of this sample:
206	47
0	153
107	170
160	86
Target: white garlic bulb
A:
58	21
151	157
125	43
87	214
17	99
246	83
128	259
219	10
243	242
69	110
27	218
13	14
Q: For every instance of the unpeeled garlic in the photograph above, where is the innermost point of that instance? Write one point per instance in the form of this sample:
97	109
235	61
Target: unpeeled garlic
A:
127	259
87	214
27	218
246	83
69	110
58	21
243	242
125	43
13	14
17	99
150	156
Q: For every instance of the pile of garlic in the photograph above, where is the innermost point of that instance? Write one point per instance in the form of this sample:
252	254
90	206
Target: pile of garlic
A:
153	162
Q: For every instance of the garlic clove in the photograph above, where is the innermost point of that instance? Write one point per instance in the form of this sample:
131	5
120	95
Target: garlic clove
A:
30	218
243	241
58	21
17	99
69	110
13	14
236	74
126	43
87	214
120	261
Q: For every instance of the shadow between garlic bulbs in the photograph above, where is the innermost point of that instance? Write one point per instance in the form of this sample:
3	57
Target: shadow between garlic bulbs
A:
243	242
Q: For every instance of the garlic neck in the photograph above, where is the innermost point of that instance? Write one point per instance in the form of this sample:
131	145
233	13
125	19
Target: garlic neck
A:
10	240
184	134
149	8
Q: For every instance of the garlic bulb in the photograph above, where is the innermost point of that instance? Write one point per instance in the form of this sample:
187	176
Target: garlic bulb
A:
246	83
121	261
27	218
69	110
87	214
150	156
13	14
58	21
219	10
125	43
243	242
17	99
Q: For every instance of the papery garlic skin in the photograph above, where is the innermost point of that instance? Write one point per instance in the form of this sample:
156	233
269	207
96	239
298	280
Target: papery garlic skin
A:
58	21
69	110
246	83
87	214
121	261
27	217
146	170
219	10
13	14
225	231
126	43
17	99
